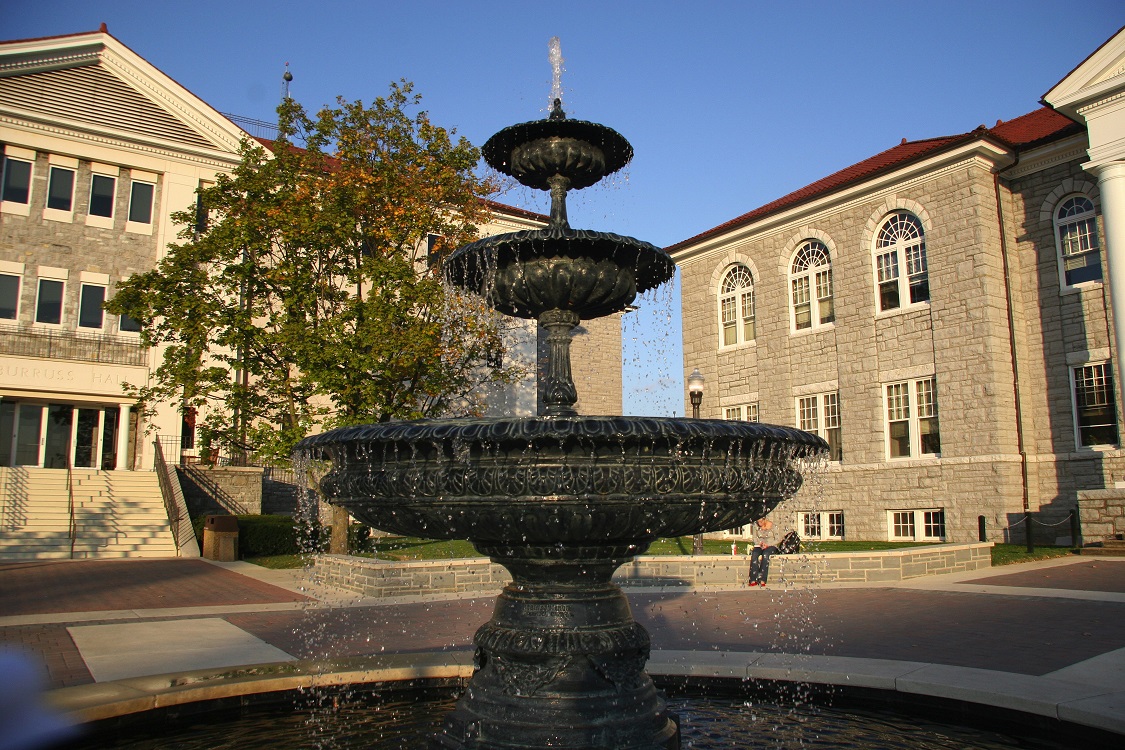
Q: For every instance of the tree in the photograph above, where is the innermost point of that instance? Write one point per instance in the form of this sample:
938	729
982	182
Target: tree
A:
303	290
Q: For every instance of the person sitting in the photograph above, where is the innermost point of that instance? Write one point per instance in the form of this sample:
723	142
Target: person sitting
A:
760	557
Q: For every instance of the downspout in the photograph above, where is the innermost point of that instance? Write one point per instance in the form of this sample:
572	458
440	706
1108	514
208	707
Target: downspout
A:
1020	445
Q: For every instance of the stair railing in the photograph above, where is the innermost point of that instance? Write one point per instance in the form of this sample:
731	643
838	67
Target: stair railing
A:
171	507
73	528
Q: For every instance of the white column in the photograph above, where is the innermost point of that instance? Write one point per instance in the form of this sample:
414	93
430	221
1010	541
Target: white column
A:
123	437
1111	183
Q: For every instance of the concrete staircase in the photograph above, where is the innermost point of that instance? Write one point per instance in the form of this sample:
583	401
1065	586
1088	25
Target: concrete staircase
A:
1112	547
116	514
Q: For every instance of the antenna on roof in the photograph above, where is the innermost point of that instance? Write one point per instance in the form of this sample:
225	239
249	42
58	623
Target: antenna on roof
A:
285	79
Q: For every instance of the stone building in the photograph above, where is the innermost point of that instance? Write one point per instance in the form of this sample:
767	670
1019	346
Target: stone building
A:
939	313
99	148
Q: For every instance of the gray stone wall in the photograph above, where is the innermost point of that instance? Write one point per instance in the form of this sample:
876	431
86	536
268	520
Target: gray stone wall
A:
382	579
36	241
236	490
1102	514
960	338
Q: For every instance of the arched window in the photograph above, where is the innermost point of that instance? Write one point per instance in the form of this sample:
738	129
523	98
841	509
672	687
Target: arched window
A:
901	246
810	286
736	306
1076	233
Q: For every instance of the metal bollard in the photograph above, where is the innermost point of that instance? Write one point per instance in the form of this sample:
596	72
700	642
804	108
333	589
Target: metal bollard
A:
982	531
1027	531
1075	530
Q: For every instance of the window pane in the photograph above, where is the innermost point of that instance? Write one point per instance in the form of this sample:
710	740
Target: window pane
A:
60	191
140	203
835	446
836	524
90	314
9	296
808	416
904	524
17	181
752	412
900	439
730	334
888	295
129	324
919	289
49	306
934	524
102	190
929	436
1096	405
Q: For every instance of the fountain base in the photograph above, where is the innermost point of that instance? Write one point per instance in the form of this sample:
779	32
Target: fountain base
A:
561	665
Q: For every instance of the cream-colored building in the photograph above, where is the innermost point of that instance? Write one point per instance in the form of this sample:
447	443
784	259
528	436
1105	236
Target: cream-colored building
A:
941	314
99	148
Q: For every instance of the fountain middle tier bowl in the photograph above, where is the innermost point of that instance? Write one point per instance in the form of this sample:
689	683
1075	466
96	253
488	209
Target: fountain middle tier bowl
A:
610	483
527	273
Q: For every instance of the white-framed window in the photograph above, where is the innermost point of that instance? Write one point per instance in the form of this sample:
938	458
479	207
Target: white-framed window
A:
820	524
810	287
912	419
1095	405
90	301
901	271
60	189
49	301
141	196
9	296
15	180
820	415
742	412
736	307
920	525
1076	236
103	195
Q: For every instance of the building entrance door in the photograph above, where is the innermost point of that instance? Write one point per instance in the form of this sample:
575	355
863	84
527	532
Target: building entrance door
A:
55	435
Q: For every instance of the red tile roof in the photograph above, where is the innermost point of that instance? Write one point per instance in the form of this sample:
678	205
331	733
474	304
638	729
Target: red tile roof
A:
1025	131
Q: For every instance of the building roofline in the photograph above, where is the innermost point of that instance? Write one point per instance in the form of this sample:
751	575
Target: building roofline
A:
1007	136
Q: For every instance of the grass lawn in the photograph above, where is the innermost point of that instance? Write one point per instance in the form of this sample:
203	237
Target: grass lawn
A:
405	548
1007	554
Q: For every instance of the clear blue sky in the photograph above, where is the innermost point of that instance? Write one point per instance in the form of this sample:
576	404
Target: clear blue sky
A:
727	104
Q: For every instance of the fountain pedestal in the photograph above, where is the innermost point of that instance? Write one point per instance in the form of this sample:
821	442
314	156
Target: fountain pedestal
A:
561	663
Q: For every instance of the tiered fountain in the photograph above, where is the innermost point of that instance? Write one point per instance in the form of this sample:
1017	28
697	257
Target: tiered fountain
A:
561	500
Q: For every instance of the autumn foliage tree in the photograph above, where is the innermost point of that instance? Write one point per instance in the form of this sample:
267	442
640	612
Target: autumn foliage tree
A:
306	297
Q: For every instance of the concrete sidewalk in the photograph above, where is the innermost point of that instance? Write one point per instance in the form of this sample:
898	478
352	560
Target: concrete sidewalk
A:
1045	637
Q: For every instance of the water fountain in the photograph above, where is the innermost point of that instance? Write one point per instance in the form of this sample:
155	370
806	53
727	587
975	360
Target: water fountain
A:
560	500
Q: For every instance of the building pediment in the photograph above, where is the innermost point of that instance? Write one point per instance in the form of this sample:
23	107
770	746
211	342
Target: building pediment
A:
1098	77
91	84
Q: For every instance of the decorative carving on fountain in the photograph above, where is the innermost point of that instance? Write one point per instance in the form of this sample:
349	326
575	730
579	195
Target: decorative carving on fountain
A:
561	500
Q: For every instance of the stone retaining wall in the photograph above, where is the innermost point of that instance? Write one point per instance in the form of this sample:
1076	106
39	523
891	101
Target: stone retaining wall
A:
1101	514
380	578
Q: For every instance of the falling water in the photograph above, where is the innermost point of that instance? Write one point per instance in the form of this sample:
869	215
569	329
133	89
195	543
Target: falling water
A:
555	55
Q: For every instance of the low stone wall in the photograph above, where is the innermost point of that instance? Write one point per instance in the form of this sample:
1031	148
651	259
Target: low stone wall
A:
1101	514
380	578
236	490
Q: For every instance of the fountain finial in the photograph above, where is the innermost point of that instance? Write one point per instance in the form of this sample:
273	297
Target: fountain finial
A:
557	111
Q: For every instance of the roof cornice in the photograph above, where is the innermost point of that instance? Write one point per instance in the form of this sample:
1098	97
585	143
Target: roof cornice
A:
989	154
99	47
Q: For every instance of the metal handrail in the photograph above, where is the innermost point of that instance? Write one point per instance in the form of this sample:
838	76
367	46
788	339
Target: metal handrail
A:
171	507
73	527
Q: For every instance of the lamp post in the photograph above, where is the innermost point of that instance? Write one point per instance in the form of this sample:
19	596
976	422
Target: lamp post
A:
695	393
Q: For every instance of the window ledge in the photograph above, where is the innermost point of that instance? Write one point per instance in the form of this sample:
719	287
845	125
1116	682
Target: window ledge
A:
102	222
1095	451
1085	286
913	461
744	345
916	307
19	209
136	227
823	328
54	214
